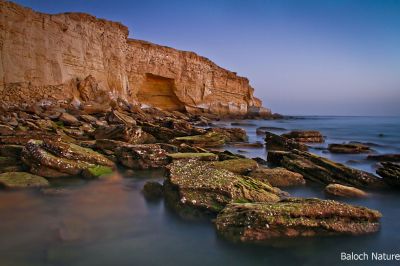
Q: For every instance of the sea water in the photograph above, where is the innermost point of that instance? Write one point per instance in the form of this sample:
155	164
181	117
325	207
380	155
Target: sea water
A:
108	222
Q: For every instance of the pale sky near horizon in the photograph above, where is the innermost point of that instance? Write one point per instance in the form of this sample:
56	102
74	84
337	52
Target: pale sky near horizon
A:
314	57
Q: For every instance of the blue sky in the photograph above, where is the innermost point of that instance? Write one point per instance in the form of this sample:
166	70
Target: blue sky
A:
311	57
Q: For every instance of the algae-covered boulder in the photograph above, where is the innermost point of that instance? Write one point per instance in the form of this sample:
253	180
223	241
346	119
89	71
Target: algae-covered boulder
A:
241	166
278	177
210	139
142	156
57	159
345	191
294	218
231	134
322	170
203	156
152	190
194	187
21	180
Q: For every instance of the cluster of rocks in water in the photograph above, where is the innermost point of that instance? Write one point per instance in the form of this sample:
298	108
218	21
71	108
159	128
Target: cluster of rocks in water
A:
42	143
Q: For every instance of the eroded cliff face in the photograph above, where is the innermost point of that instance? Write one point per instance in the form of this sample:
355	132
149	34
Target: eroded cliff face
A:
50	57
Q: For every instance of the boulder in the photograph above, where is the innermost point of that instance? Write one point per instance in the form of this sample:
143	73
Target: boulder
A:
210	139
143	156
348	148
57	159
323	170
278	177
203	156
240	166
21	180
133	135
305	136
231	134
289	218
116	117
280	143
195	187
69	119
262	130
152	190
390	173
345	191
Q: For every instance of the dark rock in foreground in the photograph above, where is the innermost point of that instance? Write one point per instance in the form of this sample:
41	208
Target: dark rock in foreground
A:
323	170
194	187
249	222
275	142
305	136
390	173
385	157
152	190
348	148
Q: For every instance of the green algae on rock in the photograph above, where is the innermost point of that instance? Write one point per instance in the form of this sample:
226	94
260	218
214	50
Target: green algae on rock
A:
21	180
57	159
278	177
194	187
292	217
238	166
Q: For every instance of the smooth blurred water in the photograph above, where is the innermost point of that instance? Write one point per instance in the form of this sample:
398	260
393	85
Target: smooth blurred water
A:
108	222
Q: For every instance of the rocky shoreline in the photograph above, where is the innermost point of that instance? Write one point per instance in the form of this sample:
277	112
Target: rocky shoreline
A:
43	143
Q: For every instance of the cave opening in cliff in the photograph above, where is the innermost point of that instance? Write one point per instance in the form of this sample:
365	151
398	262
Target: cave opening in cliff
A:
158	91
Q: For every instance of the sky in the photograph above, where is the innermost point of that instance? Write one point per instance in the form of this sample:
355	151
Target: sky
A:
303	57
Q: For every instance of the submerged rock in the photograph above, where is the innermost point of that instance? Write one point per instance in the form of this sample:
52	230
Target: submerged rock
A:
152	190
390	173
278	177
385	157
57	159
22	180
348	148
305	136
279	143
323	170
196	186
251	222
345	191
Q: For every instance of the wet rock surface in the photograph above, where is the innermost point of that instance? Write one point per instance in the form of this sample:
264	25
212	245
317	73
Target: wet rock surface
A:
196	186
278	177
349	148
390	173
280	143
323	170
345	191
21	180
305	136
252	222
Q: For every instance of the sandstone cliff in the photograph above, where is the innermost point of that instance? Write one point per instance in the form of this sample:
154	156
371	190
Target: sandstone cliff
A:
50	57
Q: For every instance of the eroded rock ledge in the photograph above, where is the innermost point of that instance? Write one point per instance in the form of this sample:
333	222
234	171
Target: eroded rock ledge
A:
48	57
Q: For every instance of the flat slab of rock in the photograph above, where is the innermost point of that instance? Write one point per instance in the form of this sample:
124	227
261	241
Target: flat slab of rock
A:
142	156
348	148
22	180
238	166
250	222
322	170
390	173
203	156
194	187
312	136
345	191
385	157
275	142
210	139
278	177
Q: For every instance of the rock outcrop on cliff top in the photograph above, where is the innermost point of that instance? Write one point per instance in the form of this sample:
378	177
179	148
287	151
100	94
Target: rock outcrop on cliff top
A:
48	57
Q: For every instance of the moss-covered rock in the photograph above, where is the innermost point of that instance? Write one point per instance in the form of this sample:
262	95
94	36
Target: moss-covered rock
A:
348	148
204	156
194	187
278	177
345	191
21	180
143	156
97	171
57	159
238	166
294	218
275	142
305	136
231	134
